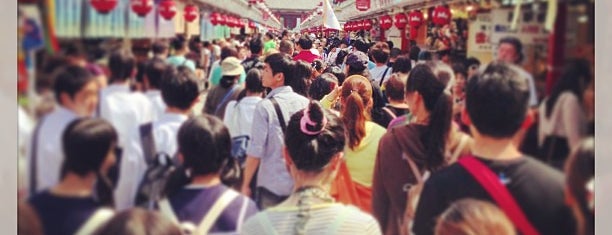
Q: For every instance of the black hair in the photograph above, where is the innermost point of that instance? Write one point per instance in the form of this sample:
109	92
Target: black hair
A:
154	70
305	43
269	35
205	144
390	43
394	52
575	79
361	45
253	81
159	47
337	72
425	55
255	45
74	50
285	33
459	68
322	86
317	65
179	87
340	57
518	46
206	44
228	81
424	79
121	64
414	52
402	65
380	55
179	43
471	61
302	72
71	80
228	51
280	63
311	153
498	85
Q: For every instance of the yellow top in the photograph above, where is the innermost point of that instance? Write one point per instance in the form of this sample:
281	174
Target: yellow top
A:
360	161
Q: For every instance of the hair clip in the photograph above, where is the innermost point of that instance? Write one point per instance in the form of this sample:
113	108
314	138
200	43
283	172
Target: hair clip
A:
306	121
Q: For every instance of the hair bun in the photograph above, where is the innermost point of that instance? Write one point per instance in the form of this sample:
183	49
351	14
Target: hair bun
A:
313	117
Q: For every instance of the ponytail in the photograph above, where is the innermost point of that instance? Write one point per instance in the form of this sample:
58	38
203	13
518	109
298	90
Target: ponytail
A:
357	96
438	131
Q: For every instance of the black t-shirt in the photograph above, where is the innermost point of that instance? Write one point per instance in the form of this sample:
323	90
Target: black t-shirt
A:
536	187
61	215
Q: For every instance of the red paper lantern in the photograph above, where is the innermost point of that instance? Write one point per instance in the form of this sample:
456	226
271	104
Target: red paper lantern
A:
362	5
191	12
167	9
401	20
142	7
346	26
367	24
359	25
222	19
251	24
351	26
214	18
386	22
103	6
441	15
415	20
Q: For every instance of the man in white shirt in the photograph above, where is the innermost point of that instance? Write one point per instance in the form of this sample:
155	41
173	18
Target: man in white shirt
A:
152	79
76	92
382	72
118	105
179	90
511	51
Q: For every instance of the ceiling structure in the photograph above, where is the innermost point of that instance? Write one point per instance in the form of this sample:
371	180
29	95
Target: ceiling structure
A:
290	10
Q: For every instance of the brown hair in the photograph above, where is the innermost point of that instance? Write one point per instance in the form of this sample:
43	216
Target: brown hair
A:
138	221
579	170
473	217
356	95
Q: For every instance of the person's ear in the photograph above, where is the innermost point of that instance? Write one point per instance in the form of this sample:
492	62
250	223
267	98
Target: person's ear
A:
336	161
64	98
288	161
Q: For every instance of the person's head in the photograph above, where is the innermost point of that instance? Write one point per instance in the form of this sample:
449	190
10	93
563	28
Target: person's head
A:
425	55
302	72
228	51
122	65
322	85
179	88
499	84
471	217
356	63
402	65
75	54
286	47
414	52
256	46
253	81
137	221
460	79
154	71
427	96
340	57
314	142
575	78
337	72
160	48
394	53
444	55
510	50
89	147
231	69
206	44
394	88
380	54
179	44
471	64
361	45
305	43
204	145
285	34
268	36
579	185
356	99
77	90
278	71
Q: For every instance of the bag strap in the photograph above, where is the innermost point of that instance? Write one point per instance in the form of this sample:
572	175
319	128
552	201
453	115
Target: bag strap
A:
148	142
500	194
34	158
413	167
459	148
225	98
166	209
279	114
96	220
383	76
213	214
391	113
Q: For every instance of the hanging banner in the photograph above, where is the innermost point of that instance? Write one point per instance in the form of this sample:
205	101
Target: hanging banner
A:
362	5
530	27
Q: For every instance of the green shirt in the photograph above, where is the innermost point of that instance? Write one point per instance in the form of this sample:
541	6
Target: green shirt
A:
269	45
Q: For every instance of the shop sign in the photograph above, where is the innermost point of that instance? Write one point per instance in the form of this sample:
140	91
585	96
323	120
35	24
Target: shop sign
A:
530	30
362	5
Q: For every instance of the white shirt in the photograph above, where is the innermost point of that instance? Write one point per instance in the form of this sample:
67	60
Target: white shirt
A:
124	109
133	164
378	71
159	107
567	119
49	152
239	118
533	95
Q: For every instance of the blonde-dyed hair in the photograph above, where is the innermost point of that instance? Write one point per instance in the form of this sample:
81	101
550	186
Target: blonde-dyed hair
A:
474	217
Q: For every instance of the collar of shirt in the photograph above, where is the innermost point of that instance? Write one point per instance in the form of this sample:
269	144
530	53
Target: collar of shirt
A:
279	90
112	88
64	112
172	117
153	92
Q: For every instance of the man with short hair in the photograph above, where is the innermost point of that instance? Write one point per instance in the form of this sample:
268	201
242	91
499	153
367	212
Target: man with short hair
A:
304	45
286	47
274	184
160	49
256	47
152	83
181	50
496	108
511	51
381	72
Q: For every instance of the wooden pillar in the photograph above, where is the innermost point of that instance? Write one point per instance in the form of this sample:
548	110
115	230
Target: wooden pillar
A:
556	48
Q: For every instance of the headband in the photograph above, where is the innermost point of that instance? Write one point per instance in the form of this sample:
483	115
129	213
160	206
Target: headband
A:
306	121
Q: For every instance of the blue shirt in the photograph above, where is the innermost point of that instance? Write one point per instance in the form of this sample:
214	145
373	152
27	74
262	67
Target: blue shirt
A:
267	139
61	215
181	60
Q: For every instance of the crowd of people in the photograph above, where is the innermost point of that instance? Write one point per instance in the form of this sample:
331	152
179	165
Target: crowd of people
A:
299	134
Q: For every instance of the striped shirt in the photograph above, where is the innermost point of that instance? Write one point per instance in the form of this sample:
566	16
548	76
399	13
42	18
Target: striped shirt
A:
333	218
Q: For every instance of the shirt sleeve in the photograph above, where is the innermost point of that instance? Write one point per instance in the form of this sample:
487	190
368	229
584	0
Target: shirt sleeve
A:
259	131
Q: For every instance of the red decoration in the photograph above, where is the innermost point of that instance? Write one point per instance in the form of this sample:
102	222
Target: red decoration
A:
359	25
103	6
191	13
167	9
441	15
346	26
142	7
362	5
386	22
351	26
222	19
251	24
401	20
415	20
214	18
367	24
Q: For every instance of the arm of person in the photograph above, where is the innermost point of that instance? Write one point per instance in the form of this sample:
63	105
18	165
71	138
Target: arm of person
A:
329	99
255	151
249	170
380	198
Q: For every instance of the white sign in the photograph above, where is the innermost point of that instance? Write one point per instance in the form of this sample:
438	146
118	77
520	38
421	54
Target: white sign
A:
479	34
530	28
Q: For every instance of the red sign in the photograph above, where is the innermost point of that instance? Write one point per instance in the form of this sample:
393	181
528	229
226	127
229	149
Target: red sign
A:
103	6
362	5
367	24
142	7
359	25
415	20
401	20
167	9
191	13
441	15
386	22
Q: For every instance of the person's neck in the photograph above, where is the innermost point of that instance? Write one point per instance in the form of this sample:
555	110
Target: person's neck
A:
206	180
75	185
495	149
380	64
395	103
305	50
120	83
250	93
304	180
174	110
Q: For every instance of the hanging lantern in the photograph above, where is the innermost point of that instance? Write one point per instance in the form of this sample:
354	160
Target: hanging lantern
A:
401	20
350	26
359	25
241	23
103	6
167	9
415	20
367	24
386	22
214	18
251	24
222	19
191	12
441	15
142	7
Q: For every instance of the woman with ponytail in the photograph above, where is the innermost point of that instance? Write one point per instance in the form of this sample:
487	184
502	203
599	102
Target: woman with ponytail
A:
313	152
73	206
429	140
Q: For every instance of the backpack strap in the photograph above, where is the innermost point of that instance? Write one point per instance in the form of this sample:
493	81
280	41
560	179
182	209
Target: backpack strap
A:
383	76
96	220
148	142
279	114
500	194
225	99
34	158
166	209
242	214
213	214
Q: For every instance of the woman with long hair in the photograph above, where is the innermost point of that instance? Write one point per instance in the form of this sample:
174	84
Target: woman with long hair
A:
580	186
